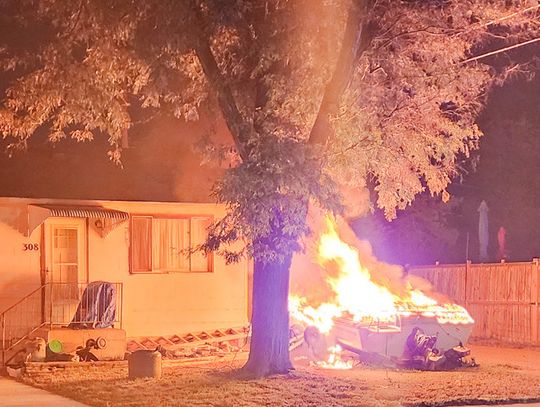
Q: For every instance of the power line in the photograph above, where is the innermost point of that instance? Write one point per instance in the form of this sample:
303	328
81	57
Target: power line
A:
499	19
498	51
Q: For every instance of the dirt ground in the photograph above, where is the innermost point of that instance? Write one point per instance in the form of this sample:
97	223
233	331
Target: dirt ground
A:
504	374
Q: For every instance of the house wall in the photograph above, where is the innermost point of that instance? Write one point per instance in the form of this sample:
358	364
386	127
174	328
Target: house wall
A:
153	303
169	303
19	268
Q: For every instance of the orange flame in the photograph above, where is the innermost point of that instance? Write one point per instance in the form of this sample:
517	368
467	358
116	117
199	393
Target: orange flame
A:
359	297
334	360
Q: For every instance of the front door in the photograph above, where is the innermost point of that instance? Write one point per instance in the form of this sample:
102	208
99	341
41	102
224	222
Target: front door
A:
66	258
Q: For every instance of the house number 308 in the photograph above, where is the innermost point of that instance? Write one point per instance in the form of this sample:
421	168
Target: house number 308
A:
30	246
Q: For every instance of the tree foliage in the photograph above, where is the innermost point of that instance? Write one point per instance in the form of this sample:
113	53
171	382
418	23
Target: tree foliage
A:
406	115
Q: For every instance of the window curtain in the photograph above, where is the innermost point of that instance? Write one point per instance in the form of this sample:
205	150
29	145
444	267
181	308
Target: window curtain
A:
170	244
141	232
164	244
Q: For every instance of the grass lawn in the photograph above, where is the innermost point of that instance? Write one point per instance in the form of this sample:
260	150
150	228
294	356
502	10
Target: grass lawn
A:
503	374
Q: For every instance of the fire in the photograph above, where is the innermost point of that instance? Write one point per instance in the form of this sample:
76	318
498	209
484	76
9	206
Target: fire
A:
355	291
321	317
358	297
335	361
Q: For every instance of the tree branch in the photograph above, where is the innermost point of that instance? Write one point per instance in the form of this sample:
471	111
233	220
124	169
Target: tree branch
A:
357	37
423	30
239	128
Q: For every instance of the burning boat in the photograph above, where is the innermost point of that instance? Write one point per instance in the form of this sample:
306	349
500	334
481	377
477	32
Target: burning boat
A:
392	318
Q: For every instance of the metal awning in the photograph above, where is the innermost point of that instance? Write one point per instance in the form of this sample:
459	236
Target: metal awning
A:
27	217
84	212
106	219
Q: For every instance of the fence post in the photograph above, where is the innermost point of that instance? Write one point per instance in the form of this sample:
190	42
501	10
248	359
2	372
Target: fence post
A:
43	302
535	305
465	283
3	339
121	305
51	305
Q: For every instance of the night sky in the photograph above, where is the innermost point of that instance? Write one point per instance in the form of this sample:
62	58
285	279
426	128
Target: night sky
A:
508	175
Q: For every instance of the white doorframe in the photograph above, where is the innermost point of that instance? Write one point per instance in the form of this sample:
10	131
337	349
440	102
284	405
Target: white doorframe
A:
55	226
66	261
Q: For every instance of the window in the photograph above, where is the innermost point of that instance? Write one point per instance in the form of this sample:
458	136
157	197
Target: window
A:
161	244
65	263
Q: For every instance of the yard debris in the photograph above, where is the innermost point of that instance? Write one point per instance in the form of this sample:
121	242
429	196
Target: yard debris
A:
220	349
195	345
31	350
420	352
423	354
62	357
16	373
296	336
85	353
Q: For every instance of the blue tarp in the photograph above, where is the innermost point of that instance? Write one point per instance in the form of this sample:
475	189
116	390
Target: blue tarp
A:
97	308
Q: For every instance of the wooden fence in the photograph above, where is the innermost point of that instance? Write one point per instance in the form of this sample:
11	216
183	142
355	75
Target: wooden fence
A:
503	298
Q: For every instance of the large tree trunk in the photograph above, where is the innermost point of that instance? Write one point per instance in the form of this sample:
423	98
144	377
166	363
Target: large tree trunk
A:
269	352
